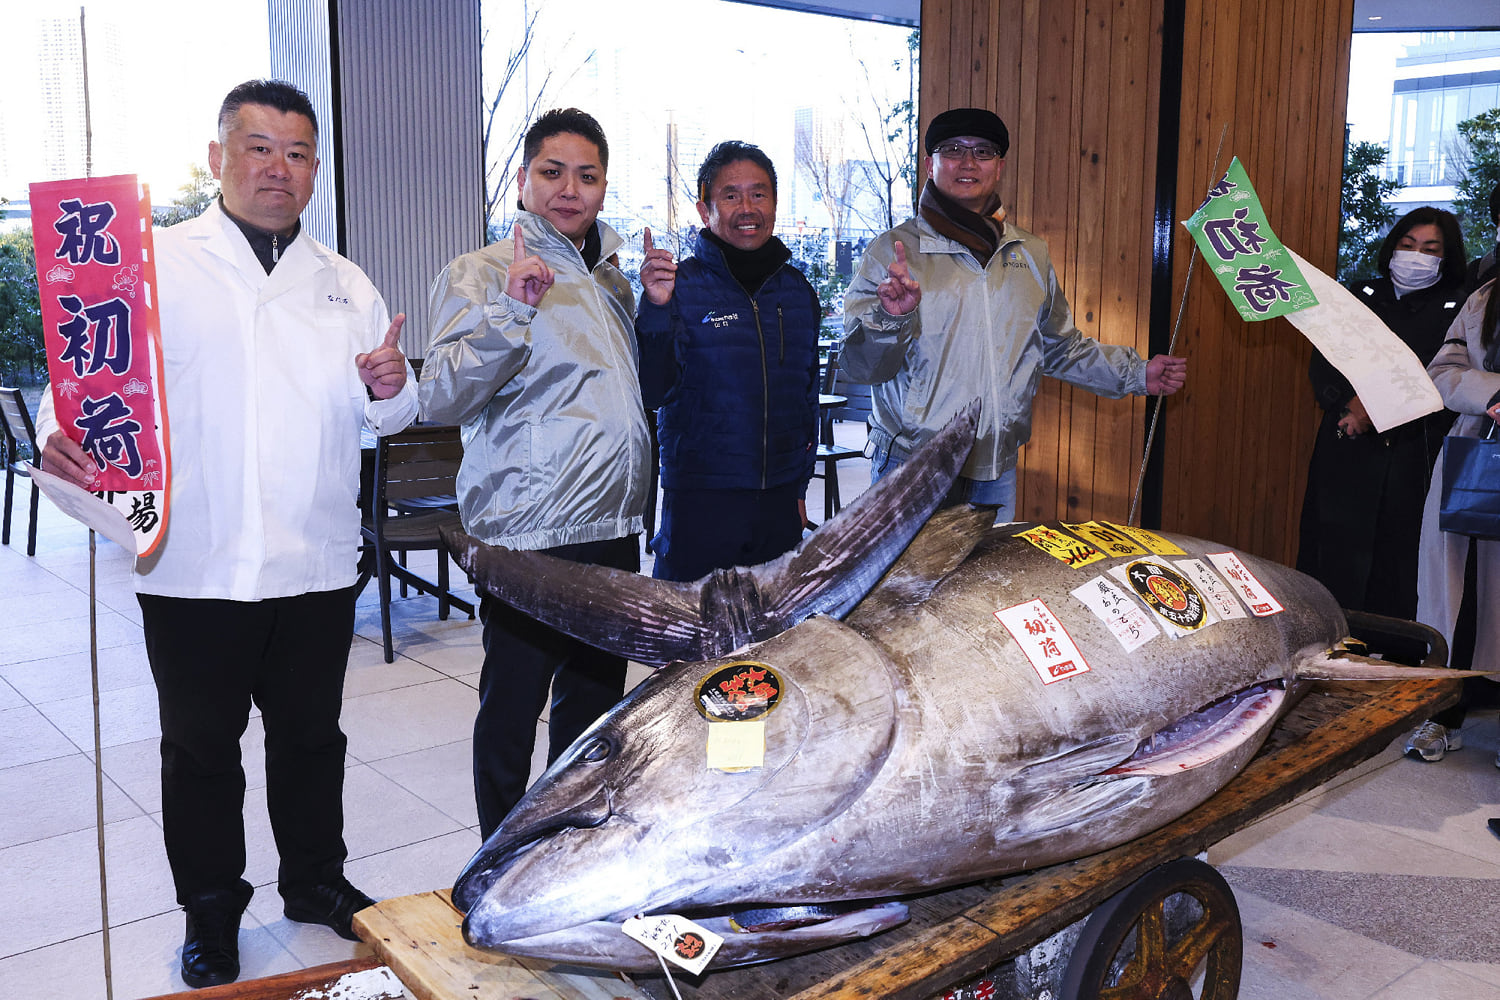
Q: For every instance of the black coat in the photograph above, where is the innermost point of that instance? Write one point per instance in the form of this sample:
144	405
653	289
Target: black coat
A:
1362	514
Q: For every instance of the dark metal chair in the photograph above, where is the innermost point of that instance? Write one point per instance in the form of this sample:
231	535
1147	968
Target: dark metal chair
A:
18	432
412	468
830	454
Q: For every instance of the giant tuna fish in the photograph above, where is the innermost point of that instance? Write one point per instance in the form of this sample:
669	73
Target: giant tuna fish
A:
938	707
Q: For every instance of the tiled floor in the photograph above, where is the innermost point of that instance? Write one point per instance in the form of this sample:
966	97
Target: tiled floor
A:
1382	884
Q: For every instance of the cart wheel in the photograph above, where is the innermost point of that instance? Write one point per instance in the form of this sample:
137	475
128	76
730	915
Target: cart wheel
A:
1172	935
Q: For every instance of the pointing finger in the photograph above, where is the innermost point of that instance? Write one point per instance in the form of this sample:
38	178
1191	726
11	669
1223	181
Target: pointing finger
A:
649	245
900	254
393	335
518	243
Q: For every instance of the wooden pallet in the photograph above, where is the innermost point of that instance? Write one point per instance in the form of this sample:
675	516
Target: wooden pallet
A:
419	937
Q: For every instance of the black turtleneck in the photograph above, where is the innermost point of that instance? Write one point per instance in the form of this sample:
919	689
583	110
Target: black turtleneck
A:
591	247
268	246
751	268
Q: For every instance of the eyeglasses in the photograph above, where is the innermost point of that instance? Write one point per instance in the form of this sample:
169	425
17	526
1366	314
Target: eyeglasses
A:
957	151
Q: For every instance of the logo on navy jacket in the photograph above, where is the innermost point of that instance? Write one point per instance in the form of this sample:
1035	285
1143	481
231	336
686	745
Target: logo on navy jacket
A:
720	320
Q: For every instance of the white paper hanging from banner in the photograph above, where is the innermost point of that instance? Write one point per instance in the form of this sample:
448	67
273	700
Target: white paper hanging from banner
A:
1388	378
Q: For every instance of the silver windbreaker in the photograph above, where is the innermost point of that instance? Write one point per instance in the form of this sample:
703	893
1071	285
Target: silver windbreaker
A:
980	332
555	440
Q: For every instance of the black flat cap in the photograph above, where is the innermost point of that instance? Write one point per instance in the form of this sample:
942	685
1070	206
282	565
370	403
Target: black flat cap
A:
977	122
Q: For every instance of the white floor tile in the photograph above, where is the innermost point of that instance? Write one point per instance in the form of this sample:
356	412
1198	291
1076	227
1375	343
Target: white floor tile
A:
54	797
1290	956
395	722
55	678
10	697
380	815
29	736
51	887
441	776
1434	979
126	715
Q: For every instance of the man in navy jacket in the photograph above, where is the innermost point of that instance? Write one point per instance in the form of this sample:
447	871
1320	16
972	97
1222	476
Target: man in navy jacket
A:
729	359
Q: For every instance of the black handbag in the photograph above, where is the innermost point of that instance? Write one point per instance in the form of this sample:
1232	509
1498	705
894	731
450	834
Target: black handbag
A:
1471	486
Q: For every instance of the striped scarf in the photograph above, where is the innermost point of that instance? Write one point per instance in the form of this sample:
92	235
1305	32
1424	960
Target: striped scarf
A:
980	234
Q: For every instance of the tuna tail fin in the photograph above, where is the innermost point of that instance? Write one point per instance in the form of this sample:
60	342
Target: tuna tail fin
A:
1338	666
657	621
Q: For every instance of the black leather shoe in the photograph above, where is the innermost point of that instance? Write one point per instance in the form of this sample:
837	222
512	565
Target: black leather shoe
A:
332	904
211	947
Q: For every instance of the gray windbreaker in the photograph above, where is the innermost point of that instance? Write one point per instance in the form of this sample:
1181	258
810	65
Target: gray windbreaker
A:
987	332
555	440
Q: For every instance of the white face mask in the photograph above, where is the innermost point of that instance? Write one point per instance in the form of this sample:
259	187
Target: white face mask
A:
1411	269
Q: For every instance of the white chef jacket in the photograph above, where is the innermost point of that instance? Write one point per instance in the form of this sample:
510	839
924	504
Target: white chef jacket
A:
264	408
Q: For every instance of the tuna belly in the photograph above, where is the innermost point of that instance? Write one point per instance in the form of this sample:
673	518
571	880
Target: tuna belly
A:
1209	734
603	945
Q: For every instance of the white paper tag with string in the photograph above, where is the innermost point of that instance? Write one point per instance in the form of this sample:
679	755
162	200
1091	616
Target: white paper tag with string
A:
676	939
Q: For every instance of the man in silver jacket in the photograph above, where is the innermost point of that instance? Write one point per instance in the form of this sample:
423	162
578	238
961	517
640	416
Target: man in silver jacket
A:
533	353
958	304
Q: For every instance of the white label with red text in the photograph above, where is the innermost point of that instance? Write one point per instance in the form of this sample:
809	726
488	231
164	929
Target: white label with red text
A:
1052	652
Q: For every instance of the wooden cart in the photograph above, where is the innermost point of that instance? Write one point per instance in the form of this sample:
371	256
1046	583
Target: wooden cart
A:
959	934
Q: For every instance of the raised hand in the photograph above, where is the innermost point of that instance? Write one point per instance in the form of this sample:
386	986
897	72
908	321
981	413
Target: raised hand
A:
899	293
384	369
658	273
529	277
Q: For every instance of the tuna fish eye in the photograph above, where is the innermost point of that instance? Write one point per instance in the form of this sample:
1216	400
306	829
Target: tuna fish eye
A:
595	750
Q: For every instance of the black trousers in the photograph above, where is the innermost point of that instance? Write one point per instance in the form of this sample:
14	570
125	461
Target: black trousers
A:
521	658
212	659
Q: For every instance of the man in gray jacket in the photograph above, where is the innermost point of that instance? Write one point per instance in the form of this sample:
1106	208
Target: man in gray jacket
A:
533	352
956	304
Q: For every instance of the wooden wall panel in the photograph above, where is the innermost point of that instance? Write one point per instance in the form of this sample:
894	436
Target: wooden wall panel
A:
1079	83
1239	438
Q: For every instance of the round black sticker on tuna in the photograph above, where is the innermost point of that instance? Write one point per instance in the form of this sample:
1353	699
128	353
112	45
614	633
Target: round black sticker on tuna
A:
1168	593
738	692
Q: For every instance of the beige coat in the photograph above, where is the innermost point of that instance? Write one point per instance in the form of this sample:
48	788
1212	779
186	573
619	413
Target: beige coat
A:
1458	372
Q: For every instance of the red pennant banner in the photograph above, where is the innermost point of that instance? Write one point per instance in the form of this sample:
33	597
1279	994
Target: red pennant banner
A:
96	272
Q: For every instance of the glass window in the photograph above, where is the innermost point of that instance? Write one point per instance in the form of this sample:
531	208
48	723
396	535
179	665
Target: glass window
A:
819	94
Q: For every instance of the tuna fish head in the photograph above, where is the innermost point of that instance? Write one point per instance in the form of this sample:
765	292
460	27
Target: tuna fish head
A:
632	820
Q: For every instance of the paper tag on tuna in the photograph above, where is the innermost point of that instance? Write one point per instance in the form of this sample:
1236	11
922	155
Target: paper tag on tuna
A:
1112	541
1125	618
1219	595
1052	652
1170	596
1150	539
737	746
1062	547
677	939
1245	584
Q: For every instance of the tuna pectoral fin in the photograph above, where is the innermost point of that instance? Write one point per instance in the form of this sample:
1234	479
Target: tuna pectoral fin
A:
654	621
1352	667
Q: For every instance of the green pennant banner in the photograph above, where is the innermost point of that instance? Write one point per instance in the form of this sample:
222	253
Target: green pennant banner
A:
1257	272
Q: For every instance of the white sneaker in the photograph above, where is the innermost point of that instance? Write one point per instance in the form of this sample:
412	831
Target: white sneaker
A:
1432	740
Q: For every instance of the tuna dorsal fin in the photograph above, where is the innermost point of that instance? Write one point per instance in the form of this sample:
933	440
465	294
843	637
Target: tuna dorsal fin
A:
657	621
1325	666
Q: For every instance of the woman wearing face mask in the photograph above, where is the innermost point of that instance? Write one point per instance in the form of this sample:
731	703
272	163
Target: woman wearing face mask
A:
1362	513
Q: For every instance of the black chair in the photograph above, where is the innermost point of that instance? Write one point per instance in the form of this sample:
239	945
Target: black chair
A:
18	431
416	472
830	454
